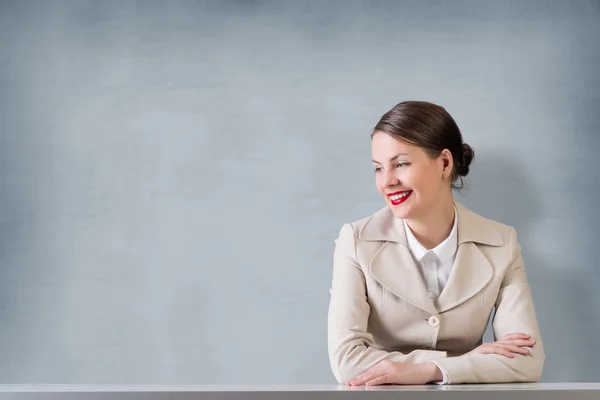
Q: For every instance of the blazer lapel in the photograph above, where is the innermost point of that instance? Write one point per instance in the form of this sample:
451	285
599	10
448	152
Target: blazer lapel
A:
471	270
392	265
394	268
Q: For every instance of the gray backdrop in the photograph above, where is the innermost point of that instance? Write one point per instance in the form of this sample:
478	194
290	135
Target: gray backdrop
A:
173	174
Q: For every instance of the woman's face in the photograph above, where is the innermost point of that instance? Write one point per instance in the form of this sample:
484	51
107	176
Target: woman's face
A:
408	178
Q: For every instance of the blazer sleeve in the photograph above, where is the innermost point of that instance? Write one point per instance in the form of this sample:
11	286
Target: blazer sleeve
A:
350	345
514	314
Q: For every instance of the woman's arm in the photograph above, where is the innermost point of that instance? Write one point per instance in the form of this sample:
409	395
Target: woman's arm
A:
514	314
350	345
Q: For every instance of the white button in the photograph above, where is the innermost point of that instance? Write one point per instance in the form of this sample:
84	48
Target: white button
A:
434	321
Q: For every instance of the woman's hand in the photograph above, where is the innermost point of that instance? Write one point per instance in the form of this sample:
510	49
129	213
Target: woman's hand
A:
509	345
404	373
398	373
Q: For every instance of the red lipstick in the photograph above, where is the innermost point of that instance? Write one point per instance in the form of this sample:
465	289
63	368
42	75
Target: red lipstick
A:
405	194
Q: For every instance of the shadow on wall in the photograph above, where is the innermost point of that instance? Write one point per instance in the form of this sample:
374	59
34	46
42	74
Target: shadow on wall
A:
500	188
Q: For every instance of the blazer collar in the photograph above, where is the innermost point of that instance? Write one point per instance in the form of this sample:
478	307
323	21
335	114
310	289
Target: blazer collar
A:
394	268
472	228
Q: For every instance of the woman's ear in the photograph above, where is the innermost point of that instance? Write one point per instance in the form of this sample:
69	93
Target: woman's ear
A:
447	163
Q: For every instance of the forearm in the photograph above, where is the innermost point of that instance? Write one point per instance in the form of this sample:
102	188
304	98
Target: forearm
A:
351	360
494	368
515	313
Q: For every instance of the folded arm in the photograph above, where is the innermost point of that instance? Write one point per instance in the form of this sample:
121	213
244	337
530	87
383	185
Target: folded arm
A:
515	313
351	350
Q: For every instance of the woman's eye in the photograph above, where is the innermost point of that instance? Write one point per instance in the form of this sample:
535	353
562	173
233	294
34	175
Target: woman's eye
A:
402	165
378	169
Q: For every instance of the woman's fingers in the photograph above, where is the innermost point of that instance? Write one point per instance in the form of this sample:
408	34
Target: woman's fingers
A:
517	349
503	351
513	336
381	380
508	350
518	342
511	344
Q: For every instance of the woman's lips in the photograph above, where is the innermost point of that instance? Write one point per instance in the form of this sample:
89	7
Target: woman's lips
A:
398	198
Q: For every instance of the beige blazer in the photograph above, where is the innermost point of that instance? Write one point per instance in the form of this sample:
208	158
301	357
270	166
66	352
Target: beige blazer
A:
380	308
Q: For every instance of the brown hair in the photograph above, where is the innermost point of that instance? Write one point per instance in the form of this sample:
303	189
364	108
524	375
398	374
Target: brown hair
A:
430	127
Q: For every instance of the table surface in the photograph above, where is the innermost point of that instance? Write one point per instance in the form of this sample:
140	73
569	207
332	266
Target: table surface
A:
570	386
531	391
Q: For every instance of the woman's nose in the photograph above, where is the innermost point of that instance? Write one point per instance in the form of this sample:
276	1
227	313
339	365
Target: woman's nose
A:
391	180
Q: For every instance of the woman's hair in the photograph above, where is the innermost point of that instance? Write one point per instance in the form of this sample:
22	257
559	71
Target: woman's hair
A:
430	127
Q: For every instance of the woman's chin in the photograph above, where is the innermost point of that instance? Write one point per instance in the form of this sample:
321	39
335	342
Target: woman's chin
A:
400	211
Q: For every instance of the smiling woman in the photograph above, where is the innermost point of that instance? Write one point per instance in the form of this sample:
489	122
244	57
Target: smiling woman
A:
414	283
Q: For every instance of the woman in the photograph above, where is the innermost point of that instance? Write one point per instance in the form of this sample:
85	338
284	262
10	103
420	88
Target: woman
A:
415	283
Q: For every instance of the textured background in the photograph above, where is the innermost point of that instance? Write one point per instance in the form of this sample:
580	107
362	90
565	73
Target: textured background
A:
173	174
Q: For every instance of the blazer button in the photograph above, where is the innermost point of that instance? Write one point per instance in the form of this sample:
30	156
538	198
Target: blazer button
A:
434	321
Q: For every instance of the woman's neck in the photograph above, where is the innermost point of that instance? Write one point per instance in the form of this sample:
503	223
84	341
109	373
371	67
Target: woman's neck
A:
433	228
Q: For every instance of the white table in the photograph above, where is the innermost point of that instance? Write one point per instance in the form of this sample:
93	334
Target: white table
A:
536	391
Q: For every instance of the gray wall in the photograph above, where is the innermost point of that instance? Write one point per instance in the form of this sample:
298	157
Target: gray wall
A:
173	174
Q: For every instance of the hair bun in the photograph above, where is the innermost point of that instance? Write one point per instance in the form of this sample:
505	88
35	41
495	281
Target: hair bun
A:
467	155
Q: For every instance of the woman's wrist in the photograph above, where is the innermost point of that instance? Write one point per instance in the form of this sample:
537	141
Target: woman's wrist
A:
432	372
